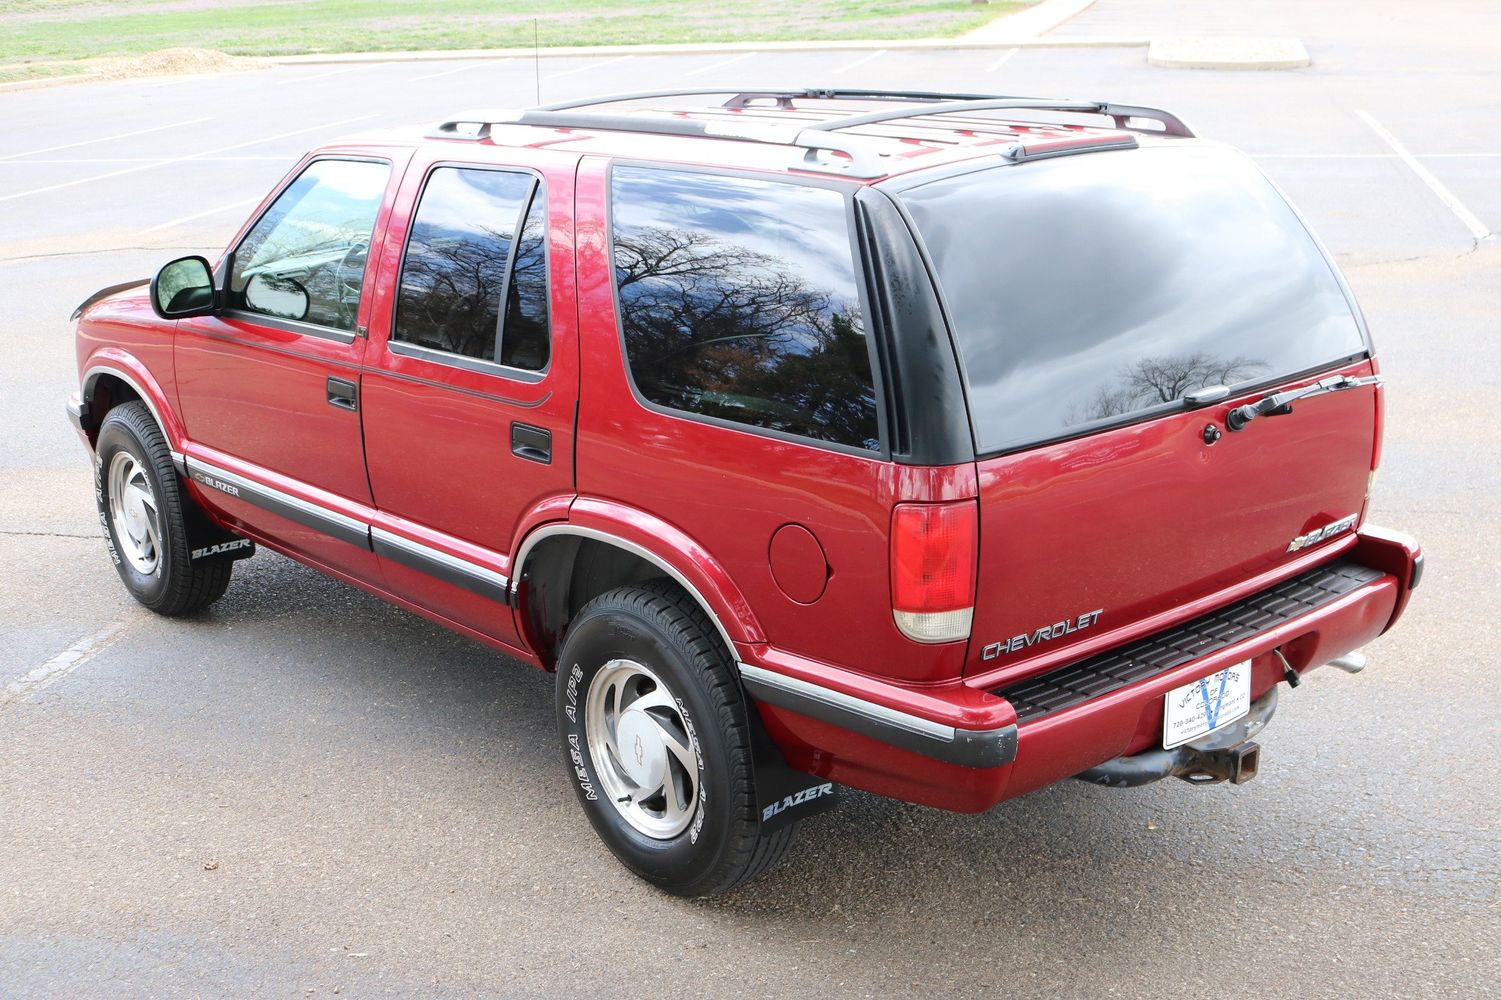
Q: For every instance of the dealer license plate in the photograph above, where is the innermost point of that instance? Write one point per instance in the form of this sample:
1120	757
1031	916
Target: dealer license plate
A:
1205	705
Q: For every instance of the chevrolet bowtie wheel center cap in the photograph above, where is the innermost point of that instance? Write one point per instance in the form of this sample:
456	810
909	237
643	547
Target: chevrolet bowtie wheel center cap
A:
643	755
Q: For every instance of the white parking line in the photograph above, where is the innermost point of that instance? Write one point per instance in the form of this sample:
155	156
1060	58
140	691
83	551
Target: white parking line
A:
61	665
858	62
1471	221
1001	61
721	64
182	159
447	72
202	215
584	69
109	138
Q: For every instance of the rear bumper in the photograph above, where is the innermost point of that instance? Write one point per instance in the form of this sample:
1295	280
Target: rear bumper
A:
970	748
960	748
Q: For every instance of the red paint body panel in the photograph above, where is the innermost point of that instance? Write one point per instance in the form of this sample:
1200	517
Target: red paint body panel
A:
260	394
438	436
732	489
124	338
1147	518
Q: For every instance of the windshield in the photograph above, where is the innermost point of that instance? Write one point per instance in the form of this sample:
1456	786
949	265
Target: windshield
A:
1087	290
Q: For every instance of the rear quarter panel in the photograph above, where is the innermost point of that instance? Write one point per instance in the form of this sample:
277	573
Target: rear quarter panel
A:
730	490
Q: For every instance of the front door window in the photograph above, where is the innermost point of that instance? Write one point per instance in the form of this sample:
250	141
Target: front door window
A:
305	258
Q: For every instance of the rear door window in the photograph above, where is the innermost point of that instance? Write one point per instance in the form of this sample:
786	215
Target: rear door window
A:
1089	290
739	302
474	278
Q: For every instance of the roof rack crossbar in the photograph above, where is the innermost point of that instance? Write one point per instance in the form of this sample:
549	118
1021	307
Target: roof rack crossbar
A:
860	160
740	98
1121	114
658	124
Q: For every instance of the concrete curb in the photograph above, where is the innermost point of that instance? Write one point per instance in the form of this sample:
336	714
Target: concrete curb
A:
1031	22
963	42
1227	53
42	82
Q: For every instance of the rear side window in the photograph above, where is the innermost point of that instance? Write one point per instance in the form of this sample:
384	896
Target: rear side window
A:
738	301
1091	289
474	280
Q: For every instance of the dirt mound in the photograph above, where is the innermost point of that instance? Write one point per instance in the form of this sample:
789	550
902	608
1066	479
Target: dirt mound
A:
168	62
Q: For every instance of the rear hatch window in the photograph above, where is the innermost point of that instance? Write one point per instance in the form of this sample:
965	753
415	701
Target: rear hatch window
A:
1091	290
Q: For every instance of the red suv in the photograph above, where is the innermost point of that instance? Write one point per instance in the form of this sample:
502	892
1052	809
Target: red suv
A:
943	446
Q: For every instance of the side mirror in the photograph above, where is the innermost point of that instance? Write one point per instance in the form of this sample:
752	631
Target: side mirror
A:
183	288
276	295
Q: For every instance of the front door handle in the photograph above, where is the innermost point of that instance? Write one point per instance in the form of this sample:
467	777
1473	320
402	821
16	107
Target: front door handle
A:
531	443
343	393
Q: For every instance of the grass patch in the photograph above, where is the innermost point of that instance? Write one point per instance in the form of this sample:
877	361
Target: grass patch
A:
77	29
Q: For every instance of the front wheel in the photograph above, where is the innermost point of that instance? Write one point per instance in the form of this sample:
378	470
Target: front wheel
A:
658	743
144	511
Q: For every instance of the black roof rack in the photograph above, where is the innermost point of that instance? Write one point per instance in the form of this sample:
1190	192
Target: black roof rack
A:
857	156
939	103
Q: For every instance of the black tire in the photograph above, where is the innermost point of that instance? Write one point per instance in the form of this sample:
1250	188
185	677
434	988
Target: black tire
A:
174	585
659	626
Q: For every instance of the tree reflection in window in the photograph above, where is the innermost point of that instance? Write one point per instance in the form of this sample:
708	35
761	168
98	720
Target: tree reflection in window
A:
738	301
526	340
1153	381
454	273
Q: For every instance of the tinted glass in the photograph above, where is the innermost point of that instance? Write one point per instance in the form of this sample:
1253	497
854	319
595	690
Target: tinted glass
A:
454	274
1090	288
526	340
316	235
738	300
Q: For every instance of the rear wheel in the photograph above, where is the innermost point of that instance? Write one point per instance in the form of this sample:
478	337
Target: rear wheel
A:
658	743
144	511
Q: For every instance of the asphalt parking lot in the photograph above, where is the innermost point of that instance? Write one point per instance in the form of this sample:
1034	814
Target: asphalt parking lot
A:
304	792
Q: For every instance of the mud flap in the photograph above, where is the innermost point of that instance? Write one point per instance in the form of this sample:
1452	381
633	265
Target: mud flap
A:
207	541
784	795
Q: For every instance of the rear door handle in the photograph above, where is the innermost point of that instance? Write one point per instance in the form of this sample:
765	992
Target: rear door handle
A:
343	393
531	443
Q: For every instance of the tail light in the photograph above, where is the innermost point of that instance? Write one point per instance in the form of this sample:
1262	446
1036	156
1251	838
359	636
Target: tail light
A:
934	548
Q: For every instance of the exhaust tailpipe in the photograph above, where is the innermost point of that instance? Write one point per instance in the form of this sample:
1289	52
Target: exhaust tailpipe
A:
1350	663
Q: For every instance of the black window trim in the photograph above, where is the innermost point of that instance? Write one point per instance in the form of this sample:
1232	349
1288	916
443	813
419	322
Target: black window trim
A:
917	437
909	182
480	365
303	327
861	277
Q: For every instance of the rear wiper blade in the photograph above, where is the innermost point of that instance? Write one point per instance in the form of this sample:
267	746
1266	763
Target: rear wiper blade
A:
1278	403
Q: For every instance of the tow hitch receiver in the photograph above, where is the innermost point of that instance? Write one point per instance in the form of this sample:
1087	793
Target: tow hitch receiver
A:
1227	754
1236	765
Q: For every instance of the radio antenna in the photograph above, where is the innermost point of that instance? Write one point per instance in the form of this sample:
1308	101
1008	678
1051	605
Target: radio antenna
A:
537	61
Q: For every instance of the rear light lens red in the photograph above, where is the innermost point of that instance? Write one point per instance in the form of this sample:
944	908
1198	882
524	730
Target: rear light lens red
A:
934	547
